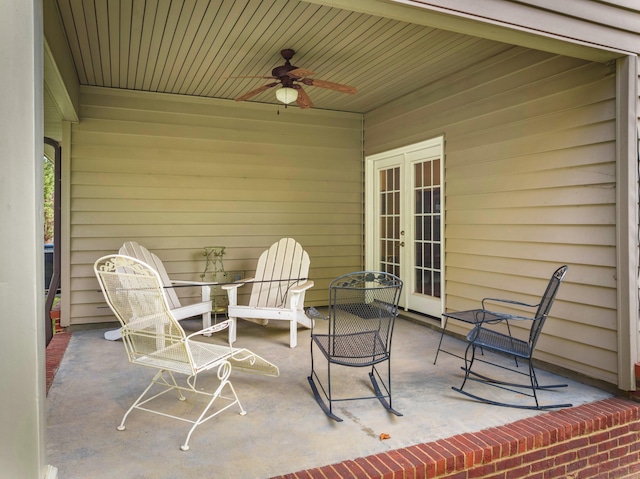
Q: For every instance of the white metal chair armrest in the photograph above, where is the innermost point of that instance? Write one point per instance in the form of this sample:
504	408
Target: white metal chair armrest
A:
214	328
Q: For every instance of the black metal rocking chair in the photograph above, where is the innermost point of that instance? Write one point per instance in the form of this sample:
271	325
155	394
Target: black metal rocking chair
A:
362	310
484	338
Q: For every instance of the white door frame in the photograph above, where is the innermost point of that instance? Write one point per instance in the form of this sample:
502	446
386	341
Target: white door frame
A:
405	156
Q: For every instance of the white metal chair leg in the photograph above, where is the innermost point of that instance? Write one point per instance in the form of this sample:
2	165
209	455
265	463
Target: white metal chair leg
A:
139	402
113	334
224	371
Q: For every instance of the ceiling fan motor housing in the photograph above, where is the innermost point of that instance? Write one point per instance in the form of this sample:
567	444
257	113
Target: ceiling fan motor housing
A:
281	71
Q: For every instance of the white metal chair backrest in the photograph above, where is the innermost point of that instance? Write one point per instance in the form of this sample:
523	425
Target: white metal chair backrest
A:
284	265
135	250
134	292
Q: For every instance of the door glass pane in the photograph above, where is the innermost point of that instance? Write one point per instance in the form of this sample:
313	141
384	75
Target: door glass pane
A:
427	227
426	171
436	172
427	202
427	263
390	220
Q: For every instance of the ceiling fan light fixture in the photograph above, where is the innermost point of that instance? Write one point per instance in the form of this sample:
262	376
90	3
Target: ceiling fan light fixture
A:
286	95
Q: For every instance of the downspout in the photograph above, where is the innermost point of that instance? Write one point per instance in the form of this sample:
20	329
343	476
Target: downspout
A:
636	393
363	227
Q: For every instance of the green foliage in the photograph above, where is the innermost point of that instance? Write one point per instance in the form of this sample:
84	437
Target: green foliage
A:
214	272
213	264
49	186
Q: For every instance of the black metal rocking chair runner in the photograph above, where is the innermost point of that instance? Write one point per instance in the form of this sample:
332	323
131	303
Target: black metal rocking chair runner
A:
484	338
362	310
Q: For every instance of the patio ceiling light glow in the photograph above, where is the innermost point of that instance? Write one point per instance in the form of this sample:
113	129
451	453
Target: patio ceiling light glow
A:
287	95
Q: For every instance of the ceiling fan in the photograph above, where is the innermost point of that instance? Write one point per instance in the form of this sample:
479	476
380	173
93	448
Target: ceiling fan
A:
291	78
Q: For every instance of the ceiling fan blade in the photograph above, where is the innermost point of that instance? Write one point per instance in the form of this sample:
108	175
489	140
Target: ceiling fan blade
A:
303	100
300	72
248	95
330	85
227	78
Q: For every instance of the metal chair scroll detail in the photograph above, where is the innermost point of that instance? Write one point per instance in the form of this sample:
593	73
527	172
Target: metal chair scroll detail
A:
277	290
179	311
154	338
363	307
488	339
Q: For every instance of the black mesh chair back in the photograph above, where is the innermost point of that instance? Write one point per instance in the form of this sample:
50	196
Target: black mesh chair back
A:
545	305
362	311
362	314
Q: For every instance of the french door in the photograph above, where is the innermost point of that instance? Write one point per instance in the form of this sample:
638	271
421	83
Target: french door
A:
404	221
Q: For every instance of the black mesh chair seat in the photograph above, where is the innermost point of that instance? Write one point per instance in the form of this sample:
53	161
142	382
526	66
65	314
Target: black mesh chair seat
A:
484	337
363	307
355	349
487	338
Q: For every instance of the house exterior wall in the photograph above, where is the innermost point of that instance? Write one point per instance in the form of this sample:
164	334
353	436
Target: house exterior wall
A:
591	30
179	173
530	181
613	24
612	27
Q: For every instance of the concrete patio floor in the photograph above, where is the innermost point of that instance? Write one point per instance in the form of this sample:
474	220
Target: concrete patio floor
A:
284	430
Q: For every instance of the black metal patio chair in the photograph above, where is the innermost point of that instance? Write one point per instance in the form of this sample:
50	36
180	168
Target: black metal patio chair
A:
363	307
484	338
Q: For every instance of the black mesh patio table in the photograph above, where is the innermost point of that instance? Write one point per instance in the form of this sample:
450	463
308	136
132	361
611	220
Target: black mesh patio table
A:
471	316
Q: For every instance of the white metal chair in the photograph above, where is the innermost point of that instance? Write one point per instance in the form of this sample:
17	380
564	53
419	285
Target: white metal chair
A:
180	312
154	338
278	289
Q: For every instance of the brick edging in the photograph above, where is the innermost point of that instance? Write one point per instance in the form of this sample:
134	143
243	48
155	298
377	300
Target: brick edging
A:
55	350
599	439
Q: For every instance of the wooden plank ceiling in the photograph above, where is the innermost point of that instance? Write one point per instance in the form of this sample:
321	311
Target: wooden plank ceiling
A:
192	47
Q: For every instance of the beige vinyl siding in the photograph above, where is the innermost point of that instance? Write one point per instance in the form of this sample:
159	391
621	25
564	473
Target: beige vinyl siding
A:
616	24
530	182
180	173
610	24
